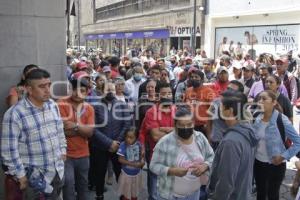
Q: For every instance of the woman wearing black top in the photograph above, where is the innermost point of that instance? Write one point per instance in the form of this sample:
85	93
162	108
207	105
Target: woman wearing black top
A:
272	83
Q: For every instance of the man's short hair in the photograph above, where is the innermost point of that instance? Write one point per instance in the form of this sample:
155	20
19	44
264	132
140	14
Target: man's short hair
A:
155	67
104	63
239	84
198	72
114	61
183	111
79	83
163	85
235	100
36	74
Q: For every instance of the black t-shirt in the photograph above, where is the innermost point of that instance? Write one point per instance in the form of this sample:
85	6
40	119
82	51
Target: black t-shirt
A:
286	105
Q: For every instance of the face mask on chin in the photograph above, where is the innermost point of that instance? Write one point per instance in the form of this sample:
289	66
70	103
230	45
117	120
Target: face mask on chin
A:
166	101
195	83
185	133
110	96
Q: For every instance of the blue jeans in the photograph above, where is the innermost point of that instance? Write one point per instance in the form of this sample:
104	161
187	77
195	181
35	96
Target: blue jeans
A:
57	185
194	196
76	179
152	185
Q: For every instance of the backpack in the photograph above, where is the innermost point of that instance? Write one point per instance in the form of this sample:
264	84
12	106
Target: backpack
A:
286	141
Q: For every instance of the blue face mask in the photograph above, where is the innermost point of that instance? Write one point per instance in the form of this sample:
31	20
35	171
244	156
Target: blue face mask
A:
137	77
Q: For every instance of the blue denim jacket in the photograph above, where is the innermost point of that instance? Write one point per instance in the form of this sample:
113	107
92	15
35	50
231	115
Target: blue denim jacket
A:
274	143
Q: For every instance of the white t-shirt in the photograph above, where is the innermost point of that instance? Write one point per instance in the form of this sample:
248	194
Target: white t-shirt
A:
187	156
261	153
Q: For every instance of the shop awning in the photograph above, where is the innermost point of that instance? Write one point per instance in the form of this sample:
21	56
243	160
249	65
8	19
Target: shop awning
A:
156	34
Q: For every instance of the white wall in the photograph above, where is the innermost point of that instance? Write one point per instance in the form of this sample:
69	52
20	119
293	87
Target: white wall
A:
32	32
248	7
235	13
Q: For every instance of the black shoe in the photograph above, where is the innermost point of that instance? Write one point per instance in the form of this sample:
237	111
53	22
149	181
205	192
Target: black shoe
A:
99	197
92	188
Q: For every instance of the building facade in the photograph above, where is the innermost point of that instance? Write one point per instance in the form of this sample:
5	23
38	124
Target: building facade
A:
157	25
254	27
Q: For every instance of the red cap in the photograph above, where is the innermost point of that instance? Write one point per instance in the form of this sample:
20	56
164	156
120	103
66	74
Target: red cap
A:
81	65
80	74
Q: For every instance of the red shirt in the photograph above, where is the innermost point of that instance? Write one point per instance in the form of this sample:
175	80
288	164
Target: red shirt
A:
220	87
114	72
155	118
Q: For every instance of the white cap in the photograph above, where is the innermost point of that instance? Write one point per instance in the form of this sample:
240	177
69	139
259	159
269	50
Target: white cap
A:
83	58
237	64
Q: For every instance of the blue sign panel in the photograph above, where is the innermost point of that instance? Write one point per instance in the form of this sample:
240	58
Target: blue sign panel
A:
158	34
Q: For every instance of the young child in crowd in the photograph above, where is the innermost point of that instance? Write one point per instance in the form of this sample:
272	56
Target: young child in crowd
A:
132	159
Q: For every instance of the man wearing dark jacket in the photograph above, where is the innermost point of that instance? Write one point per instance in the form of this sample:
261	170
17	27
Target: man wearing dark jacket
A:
232	168
112	118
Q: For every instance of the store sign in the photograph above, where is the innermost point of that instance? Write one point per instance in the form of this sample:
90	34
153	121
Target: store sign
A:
183	31
283	37
92	37
155	34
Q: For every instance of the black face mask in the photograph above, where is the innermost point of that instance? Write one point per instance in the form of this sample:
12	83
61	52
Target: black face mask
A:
166	101
110	96
185	133
195	83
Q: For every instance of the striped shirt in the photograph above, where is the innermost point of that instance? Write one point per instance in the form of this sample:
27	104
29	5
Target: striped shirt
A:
33	137
165	155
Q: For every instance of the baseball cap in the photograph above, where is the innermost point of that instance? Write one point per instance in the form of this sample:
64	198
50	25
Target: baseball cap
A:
248	66
236	64
81	65
206	61
135	60
83	58
192	69
188	58
221	69
106	69
80	74
281	60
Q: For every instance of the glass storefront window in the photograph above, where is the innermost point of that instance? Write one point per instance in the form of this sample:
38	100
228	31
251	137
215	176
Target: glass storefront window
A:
104	45
116	47
157	46
91	45
135	46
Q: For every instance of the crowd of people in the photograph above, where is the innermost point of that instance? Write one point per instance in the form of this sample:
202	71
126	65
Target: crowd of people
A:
202	128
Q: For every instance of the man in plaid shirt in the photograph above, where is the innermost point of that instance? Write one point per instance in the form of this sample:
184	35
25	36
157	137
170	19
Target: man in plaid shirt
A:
33	144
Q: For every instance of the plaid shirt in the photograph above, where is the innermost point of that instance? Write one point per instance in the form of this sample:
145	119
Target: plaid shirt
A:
33	137
165	155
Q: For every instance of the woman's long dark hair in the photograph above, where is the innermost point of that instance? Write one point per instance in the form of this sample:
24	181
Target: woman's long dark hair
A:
26	70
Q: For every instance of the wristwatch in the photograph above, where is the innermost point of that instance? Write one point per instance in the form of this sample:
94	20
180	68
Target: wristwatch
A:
76	127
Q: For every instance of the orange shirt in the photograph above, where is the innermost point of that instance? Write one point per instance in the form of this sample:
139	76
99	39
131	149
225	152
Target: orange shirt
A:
199	99
77	146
